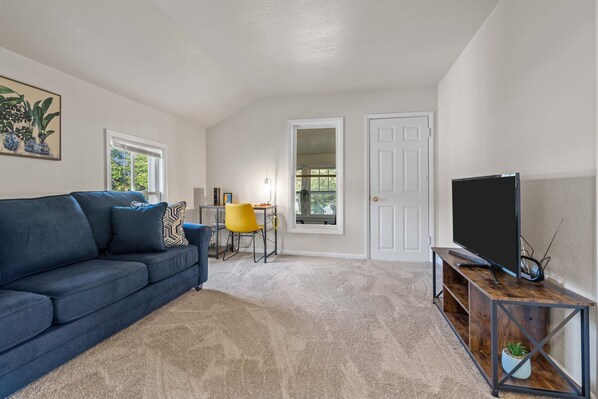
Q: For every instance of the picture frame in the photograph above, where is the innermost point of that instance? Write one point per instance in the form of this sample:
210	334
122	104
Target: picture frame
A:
227	198
30	121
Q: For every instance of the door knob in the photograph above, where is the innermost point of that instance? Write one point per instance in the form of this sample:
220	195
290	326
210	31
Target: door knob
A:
375	199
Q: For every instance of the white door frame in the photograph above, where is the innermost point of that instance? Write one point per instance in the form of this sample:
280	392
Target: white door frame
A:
431	173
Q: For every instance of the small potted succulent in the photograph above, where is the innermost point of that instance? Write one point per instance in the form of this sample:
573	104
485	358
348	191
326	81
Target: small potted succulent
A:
512	355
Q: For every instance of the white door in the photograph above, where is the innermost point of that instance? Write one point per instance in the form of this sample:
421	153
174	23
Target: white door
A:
399	189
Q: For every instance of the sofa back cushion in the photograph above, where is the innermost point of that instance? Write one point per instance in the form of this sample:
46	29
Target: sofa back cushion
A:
97	205
40	234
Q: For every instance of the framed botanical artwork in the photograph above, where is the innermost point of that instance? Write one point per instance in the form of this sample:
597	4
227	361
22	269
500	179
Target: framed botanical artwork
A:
227	198
30	121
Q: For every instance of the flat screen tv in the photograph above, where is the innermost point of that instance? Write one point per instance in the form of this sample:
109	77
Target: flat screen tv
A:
486	219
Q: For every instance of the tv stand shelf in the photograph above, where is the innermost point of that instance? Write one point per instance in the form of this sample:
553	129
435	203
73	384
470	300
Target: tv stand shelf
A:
484	316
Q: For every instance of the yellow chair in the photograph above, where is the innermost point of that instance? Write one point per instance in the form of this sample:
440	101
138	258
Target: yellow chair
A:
240	220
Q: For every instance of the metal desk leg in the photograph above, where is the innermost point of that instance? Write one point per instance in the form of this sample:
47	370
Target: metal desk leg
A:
585	350
265	236
433	277
275	231
217	232
494	347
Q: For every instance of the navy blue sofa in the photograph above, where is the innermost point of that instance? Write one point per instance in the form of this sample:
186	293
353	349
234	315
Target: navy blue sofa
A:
60	293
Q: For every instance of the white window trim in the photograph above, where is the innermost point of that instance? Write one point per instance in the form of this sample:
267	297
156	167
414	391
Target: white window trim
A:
110	134
293	125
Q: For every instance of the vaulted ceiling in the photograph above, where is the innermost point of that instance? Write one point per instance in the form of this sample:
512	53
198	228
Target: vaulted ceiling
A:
205	60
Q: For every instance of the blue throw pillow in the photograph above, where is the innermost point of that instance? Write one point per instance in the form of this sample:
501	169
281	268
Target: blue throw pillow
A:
137	229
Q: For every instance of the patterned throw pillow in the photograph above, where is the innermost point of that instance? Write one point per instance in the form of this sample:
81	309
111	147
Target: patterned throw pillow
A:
174	235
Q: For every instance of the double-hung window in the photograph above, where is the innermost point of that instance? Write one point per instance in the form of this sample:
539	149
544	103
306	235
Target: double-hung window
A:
136	164
315	192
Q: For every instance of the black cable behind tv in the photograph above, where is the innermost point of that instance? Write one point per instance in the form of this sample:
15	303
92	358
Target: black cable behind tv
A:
479	262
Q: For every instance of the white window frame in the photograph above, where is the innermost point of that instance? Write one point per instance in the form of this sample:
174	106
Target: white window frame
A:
316	123
163	183
307	205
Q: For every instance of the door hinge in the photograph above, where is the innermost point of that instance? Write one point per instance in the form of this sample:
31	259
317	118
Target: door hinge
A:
429	132
429	240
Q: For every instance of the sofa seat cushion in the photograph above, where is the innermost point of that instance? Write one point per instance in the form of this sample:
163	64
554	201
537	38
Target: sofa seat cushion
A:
23	315
82	288
162	265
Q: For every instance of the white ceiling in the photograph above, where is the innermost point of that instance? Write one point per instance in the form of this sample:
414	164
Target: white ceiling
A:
316	141
204	60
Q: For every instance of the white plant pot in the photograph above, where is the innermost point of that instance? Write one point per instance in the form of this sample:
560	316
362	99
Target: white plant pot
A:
509	362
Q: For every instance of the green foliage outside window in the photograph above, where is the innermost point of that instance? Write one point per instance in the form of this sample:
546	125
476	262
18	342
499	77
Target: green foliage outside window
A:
140	165
317	187
120	170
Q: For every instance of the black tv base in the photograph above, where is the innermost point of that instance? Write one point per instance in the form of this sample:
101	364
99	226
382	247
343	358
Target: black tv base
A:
477	262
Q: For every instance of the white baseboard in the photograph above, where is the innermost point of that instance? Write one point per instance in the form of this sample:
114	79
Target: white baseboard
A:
323	254
308	253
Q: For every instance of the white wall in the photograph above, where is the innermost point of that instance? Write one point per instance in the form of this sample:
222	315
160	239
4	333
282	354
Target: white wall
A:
253	144
86	111
522	98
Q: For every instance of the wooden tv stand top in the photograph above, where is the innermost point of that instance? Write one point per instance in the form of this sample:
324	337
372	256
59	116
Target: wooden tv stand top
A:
510	288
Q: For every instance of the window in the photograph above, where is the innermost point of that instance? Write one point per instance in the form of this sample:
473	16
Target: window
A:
136	164
315	176
316	193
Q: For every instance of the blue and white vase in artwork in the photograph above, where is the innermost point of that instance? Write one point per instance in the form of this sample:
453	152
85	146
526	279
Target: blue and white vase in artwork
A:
11	142
33	146
509	363
30	145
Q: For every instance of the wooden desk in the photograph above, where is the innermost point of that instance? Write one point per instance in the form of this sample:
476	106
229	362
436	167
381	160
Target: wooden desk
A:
484	315
271	210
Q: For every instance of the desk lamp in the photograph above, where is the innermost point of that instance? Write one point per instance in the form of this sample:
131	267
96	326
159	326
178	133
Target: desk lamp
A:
268	182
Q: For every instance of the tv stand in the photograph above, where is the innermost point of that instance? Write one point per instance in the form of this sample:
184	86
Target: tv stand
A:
485	316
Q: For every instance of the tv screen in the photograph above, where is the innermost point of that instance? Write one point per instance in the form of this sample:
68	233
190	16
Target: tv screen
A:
486	219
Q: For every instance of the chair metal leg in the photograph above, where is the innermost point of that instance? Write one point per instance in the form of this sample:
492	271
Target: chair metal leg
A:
253	240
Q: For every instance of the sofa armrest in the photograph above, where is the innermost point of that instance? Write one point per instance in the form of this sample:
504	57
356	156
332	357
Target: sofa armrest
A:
199	235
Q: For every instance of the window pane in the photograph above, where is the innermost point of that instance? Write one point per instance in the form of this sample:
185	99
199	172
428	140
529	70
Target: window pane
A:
120	170
140	172
315	172
332	184
323	184
313	184
298	203
298	184
323	204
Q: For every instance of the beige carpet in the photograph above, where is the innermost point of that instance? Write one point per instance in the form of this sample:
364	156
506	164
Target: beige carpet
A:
294	328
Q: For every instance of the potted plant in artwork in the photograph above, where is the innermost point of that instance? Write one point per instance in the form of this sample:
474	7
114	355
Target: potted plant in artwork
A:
19	120
40	120
12	112
512	355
